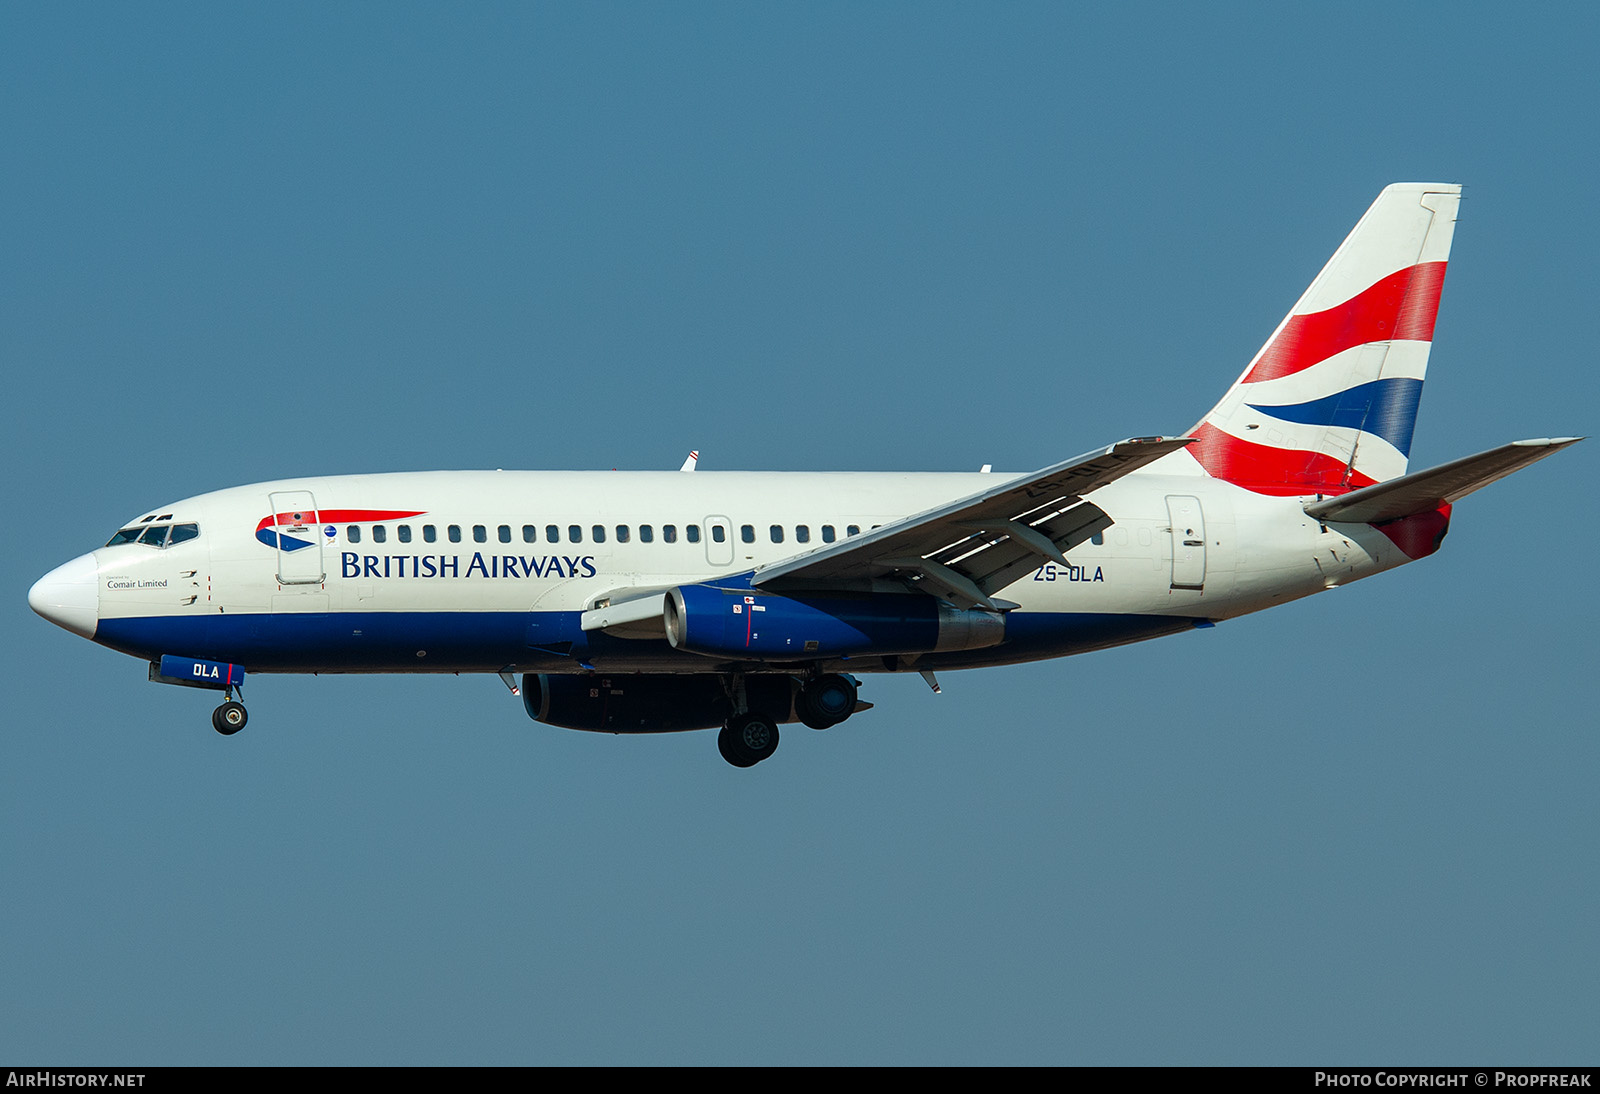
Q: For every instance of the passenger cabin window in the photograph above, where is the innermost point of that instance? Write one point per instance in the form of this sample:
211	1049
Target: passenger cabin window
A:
574	533
827	533
454	532
747	533
599	533
403	533
776	532
646	533
669	533
528	534
1097	539
802	533
504	532
480	534
622	533
379	533
552	533
719	533
353	533
429	533
692	533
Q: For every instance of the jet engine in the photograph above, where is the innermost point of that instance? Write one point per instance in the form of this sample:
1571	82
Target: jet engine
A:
742	624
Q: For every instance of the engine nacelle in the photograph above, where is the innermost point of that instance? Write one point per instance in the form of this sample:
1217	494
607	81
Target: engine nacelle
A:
739	623
649	702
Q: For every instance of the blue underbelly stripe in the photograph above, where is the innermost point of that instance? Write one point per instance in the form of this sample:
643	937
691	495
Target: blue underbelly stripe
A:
548	641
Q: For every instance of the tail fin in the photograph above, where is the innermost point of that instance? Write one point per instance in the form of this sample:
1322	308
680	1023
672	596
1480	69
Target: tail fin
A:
1329	403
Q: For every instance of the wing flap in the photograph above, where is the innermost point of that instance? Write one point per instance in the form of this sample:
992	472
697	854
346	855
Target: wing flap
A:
1004	551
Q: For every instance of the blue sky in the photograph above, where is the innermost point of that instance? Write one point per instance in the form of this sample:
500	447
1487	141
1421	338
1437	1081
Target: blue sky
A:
242	244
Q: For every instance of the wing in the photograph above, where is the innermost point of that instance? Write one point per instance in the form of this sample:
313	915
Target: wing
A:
967	550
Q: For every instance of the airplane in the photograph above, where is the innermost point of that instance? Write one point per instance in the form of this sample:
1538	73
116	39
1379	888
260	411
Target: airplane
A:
640	602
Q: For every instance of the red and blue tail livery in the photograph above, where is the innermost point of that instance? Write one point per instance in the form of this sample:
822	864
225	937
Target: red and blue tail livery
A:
643	602
1328	405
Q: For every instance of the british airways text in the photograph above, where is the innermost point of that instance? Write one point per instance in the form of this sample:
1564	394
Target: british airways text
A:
480	565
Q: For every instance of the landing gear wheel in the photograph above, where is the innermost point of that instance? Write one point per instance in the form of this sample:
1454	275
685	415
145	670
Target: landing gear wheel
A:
732	750
826	701
748	739
229	718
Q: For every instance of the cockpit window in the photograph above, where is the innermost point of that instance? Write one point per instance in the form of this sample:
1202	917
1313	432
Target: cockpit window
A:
156	535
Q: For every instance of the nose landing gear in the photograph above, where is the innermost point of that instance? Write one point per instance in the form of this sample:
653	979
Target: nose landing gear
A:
231	716
195	672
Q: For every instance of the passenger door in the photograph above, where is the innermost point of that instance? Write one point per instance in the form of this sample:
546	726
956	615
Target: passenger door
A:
1188	541
299	538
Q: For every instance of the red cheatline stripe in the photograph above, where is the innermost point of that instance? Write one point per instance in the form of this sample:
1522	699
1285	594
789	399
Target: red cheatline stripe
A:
1402	305
338	516
1282	472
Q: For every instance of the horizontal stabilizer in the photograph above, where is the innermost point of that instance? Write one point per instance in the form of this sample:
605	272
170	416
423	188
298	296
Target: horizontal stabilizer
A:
1425	491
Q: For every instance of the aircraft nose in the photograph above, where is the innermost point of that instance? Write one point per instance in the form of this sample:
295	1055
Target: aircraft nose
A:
69	596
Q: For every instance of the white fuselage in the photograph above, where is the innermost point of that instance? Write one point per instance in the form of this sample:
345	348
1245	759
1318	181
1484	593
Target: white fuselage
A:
460	571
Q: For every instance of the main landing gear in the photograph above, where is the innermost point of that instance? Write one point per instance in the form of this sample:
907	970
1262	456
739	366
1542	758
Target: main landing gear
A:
230	717
748	739
752	735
